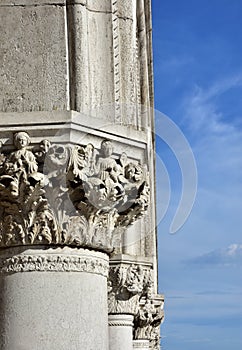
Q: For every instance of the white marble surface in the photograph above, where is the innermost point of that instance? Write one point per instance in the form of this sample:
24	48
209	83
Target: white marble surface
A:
54	310
120	332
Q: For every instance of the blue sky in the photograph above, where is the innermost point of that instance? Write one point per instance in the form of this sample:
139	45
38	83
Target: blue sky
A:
198	84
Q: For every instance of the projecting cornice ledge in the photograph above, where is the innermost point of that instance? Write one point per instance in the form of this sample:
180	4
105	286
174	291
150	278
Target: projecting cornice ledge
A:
55	194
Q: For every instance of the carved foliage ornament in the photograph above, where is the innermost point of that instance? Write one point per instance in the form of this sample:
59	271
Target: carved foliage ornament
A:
55	194
53	263
131	291
148	319
127	284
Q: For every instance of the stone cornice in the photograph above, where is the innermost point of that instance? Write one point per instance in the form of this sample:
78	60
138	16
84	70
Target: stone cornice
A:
131	259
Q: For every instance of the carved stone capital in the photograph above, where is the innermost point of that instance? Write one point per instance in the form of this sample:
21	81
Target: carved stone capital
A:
126	285
68	195
148	319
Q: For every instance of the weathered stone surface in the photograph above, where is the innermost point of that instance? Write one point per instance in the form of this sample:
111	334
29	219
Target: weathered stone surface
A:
90	60
33	54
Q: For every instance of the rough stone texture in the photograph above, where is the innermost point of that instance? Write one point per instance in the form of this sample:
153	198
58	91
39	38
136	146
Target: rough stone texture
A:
90	59
53	310
120	332
33	54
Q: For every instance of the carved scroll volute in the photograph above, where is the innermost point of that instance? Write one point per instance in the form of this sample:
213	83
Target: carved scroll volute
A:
53	194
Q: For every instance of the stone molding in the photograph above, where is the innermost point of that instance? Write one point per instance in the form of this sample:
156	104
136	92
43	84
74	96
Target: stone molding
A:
141	344
60	195
51	260
53	263
116	61
120	320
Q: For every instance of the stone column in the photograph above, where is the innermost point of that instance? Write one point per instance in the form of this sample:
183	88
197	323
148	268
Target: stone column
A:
49	298
120	332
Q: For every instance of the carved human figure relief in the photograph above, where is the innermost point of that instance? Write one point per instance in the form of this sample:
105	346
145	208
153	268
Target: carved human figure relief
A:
22	158
54	194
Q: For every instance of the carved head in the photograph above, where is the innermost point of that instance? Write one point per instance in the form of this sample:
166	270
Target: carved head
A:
21	140
57	156
107	148
89	149
96	191
123	159
133	172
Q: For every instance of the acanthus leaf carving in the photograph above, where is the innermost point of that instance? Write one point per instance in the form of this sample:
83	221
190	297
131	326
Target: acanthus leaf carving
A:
54	194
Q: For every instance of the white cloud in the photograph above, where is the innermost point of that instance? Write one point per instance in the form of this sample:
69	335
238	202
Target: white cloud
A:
230	256
202	111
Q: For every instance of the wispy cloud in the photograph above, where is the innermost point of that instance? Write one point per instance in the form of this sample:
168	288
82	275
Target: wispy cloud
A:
202	110
174	63
230	256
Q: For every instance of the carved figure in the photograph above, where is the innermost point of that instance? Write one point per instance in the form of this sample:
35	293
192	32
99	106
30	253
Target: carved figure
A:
23	158
54	194
107	167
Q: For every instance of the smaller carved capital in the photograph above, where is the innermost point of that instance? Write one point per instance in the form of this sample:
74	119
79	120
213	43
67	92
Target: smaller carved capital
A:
126	285
148	319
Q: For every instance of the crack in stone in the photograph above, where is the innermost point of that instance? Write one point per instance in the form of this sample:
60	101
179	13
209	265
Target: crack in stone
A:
98	11
125	18
34	5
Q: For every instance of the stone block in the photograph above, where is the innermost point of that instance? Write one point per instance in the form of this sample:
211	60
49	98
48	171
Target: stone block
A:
33	54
